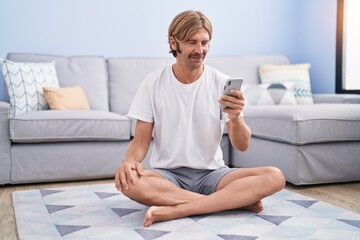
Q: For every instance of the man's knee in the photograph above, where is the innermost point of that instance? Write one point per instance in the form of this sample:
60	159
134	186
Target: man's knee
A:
276	178
138	191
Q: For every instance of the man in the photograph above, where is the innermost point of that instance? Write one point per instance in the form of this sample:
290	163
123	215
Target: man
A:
179	107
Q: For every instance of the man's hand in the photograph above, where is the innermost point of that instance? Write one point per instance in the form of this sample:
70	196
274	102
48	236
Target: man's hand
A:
126	174
234	104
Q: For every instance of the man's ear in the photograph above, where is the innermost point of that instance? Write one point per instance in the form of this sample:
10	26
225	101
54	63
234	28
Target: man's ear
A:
172	42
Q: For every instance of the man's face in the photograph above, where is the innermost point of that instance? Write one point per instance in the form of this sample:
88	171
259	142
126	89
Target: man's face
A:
192	52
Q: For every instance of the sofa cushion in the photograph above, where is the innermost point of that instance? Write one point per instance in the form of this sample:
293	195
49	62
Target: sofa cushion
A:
304	124
25	82
70	98
90	72
125	76
292	73
244	66
71	125
269	94
336	98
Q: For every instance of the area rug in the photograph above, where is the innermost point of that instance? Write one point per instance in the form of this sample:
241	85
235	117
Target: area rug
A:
101	212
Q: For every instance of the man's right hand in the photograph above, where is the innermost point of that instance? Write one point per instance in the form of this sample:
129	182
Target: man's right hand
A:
127	173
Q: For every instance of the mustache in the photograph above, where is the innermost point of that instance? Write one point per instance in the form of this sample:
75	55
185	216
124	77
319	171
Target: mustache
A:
196	55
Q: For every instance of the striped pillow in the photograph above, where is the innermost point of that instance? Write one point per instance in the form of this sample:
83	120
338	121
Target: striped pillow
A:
25	82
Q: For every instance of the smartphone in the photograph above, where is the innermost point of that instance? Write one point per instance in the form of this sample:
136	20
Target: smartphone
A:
231	83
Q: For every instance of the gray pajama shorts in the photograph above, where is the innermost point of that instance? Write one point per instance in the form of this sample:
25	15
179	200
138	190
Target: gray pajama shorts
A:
195	180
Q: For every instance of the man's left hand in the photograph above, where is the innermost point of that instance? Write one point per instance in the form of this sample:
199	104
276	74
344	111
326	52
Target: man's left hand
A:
234	104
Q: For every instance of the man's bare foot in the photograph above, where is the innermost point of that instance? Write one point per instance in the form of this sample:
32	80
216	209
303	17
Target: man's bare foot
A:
255	207
158	214
165	213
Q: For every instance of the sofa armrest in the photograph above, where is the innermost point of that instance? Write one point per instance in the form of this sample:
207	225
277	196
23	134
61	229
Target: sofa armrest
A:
5	143
336	98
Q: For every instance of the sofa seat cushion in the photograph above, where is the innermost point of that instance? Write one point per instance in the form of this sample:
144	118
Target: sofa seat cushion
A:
305	124
67	126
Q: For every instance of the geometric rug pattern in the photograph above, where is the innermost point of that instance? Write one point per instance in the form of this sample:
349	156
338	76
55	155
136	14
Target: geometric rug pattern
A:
101	212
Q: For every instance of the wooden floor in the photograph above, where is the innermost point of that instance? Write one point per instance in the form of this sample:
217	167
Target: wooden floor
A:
345	195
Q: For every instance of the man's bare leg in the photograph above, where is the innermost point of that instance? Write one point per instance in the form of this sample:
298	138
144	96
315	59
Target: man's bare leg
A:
153	190
251	185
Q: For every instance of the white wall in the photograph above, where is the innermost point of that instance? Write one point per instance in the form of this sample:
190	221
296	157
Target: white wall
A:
130	28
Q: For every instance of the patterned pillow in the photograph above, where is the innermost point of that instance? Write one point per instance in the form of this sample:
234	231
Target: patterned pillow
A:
70	98
269	94
24	83
292	73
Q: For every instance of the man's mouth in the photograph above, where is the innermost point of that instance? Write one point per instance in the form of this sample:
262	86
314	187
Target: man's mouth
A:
196	56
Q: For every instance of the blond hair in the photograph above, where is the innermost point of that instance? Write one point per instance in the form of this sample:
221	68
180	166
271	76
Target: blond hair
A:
185	24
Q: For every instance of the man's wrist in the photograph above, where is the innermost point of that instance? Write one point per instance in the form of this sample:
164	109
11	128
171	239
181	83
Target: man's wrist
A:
130	160
233	117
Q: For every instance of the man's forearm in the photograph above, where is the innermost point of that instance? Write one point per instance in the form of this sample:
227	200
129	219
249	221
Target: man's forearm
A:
239	133
136	150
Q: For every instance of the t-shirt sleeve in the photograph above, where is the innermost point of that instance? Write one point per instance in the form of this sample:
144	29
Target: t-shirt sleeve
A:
141	107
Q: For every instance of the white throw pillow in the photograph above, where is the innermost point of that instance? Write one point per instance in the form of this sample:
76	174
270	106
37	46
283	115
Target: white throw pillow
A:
25	82
269	94
291	73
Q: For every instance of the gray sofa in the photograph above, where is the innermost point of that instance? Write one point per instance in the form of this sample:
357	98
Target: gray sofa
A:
317	143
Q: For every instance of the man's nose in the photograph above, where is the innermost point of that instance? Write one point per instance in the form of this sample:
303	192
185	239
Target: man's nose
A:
199	48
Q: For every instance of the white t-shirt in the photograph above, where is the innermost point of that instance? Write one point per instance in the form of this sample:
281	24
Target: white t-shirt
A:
188	123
